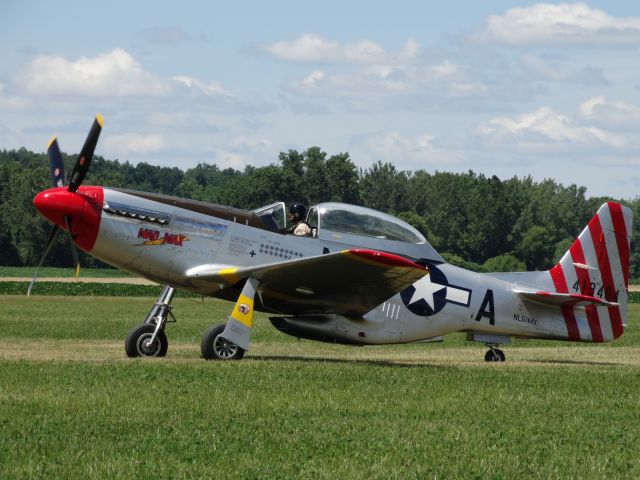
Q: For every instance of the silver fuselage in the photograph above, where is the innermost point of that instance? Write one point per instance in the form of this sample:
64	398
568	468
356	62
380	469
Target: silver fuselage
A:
456	299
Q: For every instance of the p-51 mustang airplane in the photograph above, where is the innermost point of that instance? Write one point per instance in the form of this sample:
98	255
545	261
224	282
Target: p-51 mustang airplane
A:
362	278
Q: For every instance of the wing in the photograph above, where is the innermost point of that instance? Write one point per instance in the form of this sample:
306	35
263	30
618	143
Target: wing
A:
350	282
558	299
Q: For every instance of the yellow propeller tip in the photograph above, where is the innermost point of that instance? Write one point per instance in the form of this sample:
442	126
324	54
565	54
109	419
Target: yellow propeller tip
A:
77	272
53	139
99	119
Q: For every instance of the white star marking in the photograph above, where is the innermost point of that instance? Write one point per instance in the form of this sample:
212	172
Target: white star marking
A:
426	289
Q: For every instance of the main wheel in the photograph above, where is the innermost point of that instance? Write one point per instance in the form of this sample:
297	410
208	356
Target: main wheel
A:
136	344
500	354
214	347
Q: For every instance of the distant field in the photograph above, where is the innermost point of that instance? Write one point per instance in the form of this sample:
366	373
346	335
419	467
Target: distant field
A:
72	405
61	272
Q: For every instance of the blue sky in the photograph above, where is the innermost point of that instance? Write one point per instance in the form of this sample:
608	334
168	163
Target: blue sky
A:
505	88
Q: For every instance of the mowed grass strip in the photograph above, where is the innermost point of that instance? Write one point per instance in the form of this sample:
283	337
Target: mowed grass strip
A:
71	404
68	272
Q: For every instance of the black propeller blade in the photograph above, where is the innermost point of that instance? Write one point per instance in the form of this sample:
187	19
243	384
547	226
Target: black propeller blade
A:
86	154
56	165
52	237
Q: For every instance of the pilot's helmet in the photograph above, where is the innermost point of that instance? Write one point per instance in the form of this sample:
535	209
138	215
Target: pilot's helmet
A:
298	210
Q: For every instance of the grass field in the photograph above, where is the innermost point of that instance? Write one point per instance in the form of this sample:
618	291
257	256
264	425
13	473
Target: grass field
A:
72	405
61	272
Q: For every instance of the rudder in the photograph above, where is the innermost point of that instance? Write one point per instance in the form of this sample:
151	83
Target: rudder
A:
597	264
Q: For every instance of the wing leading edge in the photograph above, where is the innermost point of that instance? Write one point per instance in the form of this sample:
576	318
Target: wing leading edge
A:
349	282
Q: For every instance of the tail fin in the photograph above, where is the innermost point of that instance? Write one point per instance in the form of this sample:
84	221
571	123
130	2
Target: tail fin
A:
597	264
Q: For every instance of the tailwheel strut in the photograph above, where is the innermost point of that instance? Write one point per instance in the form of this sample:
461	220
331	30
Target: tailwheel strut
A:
149	339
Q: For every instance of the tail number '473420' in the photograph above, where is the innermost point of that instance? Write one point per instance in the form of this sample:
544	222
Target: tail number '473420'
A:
598	290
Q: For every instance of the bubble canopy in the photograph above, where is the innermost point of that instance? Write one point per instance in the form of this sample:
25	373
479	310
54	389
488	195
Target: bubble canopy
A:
356	220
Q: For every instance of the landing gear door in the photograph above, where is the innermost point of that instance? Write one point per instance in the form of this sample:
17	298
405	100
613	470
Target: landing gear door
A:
274	216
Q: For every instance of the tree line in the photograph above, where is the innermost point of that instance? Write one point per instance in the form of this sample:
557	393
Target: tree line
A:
478	222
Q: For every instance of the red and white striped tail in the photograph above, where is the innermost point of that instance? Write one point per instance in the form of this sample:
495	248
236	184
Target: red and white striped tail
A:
597	264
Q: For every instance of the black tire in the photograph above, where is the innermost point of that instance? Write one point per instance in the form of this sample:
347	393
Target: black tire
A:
134	344
214	348
500	354
492	356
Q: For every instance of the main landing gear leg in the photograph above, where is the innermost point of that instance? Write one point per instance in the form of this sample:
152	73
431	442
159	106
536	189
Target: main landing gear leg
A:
230	341
148	339
494	354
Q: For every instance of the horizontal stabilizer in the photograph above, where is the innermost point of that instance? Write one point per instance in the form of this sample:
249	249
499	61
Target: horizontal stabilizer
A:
559	299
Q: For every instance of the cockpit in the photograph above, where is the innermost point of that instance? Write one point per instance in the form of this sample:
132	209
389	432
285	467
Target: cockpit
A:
355	226
342	218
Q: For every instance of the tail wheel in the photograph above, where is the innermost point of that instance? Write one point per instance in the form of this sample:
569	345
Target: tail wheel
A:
214	347
494	355
137	342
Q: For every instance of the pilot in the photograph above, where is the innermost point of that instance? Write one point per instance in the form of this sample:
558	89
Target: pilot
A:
297	214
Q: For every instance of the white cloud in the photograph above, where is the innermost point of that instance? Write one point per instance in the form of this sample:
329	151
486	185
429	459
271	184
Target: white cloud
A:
226	159
311	48
11	102
250	144
560	24
587	108
559	70
545	127
618	114
117	76
314	48
129	143
379	80
179	120
414	152
312	79
211	90
242	150
113	74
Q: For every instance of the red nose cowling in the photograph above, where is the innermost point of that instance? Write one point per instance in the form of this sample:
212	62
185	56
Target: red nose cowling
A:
83	206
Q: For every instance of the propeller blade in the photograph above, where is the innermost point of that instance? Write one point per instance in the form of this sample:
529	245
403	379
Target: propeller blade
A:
86	154
56	165
52	237
74	251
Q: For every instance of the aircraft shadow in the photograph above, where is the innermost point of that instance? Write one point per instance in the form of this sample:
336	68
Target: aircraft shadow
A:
400	364
580	362
355	361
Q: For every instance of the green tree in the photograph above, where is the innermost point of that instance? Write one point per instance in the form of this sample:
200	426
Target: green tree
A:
535	249
384	188
292	166
561	248
461	262
504	263
342	179
316	184
469	216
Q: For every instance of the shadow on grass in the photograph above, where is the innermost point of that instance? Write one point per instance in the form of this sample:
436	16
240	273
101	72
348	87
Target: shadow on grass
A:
348	361
585	363
423	364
